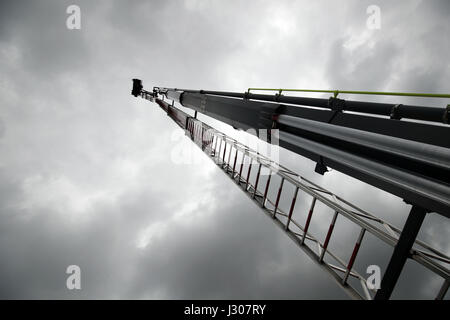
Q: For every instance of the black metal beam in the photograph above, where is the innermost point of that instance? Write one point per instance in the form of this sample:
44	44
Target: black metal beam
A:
396	111
415	131
238	112
401	252
428	193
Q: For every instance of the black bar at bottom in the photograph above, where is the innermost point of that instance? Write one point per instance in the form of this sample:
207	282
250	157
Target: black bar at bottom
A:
401	252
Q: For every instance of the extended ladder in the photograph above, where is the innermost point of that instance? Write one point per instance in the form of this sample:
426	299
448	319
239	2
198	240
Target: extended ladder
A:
230	155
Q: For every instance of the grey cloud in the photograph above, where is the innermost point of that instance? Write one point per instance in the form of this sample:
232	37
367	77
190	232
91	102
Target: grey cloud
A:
86	170
372	70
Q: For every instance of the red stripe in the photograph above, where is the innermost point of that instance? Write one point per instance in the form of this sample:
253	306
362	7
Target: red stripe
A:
242	165
278	197
291	209
235	159
267	187
327	239
352	259
248	173
224	151
308	220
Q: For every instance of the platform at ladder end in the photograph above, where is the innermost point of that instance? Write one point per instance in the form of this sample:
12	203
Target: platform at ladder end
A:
137	87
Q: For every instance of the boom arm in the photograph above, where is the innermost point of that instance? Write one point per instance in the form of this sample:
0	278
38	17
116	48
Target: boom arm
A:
220	149
403	157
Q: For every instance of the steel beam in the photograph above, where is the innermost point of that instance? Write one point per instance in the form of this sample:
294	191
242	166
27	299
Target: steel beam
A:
401	252
413	187
398	111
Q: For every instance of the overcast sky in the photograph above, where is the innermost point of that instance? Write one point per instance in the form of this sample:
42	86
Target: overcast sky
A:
86	174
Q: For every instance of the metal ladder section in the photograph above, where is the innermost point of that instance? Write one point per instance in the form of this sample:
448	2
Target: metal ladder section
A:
230	156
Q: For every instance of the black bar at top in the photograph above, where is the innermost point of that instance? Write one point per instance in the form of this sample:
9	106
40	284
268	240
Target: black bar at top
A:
433	114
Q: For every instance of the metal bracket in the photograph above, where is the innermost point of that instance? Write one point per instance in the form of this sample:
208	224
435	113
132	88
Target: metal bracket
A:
336	105
445	117
394	112
320	168
278	95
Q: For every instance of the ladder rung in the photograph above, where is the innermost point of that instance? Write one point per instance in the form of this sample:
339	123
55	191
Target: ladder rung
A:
278	197
327	239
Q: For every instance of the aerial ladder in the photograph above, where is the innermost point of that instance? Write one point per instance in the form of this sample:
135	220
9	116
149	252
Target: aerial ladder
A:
398	148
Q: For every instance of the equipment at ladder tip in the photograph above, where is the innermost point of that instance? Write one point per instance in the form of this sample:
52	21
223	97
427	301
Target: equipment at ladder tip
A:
402	149
137	87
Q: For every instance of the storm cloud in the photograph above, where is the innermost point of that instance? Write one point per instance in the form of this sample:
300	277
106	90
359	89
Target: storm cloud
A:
86	170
